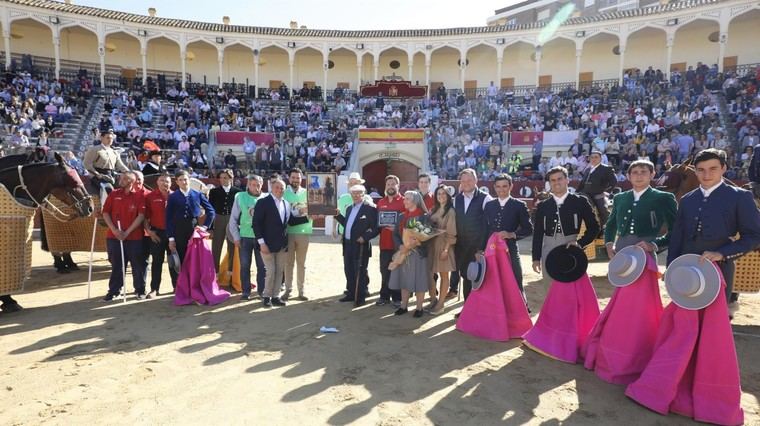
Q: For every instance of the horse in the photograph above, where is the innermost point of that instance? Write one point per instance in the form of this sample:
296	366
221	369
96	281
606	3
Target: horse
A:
680	179
35	183
39	155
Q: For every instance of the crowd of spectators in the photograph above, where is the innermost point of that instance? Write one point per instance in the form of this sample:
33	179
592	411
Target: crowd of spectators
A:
32	109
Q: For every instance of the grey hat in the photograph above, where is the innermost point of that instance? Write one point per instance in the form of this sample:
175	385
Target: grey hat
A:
174	262
476	272
627	266
692	283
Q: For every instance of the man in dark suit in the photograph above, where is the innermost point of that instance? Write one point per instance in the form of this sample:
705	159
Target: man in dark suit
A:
508	217
597	179
472	234
271	218
183	212
711	215
222	198
754	170
360	226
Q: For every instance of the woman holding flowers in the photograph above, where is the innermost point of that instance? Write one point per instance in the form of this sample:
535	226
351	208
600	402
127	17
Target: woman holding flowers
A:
442	260
413	274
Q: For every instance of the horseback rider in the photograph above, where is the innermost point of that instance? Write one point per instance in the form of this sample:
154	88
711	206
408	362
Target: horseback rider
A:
102	162
598	179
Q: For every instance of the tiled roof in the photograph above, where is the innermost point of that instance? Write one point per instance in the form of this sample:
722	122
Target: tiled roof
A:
55	6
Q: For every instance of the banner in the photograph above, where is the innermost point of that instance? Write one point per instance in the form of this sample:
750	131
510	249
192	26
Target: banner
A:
566	138
238	138
526	139
391	135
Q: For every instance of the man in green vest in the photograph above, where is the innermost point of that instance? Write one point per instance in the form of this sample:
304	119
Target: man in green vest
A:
298	235
639	214
240	228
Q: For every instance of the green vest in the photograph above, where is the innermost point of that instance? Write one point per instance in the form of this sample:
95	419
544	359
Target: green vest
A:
655	211
293	199
246	202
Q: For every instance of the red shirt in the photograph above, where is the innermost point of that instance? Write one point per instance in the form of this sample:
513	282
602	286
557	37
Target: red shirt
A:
429	201
125	207
155	209
395	205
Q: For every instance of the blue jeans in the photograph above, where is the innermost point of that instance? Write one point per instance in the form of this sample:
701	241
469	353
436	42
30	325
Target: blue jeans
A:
249	249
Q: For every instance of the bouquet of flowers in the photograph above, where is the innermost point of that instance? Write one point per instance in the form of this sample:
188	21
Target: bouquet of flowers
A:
414	233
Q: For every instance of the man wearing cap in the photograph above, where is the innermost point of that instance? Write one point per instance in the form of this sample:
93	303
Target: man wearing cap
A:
360	222
241	229
598	179
153	166
222	198
558	219
709	218
639	214
346	200
155	226
102	161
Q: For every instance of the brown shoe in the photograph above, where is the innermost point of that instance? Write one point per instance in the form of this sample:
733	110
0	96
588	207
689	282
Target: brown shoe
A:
452	295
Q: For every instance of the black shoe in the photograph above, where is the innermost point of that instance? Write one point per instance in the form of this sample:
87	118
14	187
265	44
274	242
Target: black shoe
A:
302	298
456	315
346	299
245	297
360	303
417	313
267	302
401	311
140	296
62	270
277	302
9	308
109	297
381	302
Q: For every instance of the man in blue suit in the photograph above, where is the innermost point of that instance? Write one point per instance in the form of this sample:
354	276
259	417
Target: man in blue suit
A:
183	211
711	215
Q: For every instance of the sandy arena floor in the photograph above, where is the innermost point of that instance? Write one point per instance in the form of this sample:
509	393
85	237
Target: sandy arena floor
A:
69	360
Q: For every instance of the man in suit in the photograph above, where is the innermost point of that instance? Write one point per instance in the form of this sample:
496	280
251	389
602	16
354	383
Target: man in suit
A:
360	226
183	212
509	218
472	235
597	179
271	218
558	219
222	198
639	214
754	170
711	215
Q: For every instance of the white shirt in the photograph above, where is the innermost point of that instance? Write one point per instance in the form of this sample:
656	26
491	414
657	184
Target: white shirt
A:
280	203
227	188
503	201
637	194
560	200
706	192
468	199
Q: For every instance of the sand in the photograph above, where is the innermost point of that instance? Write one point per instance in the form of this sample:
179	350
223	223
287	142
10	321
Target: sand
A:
67	359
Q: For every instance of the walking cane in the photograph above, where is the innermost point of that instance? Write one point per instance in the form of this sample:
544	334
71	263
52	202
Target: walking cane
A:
358	274
123	266
92	249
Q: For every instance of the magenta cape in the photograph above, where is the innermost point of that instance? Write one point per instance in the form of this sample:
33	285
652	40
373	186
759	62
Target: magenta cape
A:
567	316
496	311
622	341
694	370
197	277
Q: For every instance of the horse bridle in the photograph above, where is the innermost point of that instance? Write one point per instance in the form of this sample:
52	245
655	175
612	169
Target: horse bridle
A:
46	205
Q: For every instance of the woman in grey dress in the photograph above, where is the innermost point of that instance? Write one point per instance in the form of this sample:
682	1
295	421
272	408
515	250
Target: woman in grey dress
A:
413	275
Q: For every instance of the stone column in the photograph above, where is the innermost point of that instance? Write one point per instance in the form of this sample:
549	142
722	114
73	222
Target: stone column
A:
669	38
358	74
427	75
722	42
7	40
376	66
102	55
462	69
183	60
622	63
256	74
291	64
144	57
538	64
57	55
220	59
578	54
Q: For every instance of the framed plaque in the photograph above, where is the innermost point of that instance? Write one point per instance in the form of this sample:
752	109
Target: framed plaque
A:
387	218
321	198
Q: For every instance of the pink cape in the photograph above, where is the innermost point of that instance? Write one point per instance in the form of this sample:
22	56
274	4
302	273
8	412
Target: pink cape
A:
496	311
622	341
197	277
567	316
694	370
